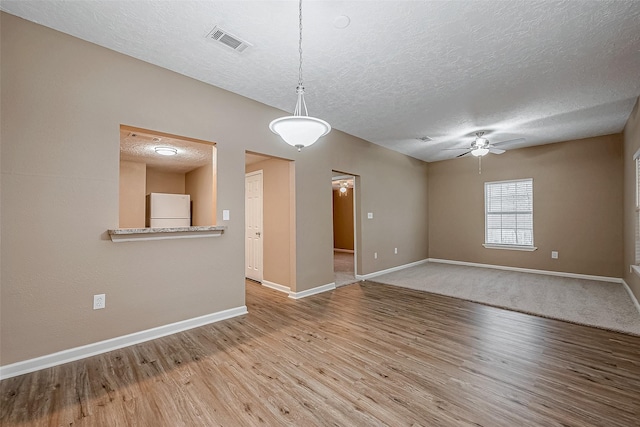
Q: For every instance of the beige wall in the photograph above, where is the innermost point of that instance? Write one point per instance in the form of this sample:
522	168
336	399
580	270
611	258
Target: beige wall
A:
132	194
60	194
391	186
343	220
631	137
159	181
276	221
577	203
199	184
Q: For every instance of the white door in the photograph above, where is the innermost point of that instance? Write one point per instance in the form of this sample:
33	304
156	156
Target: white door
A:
253	225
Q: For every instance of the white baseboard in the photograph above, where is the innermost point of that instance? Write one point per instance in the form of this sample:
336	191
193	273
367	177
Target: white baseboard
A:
530	270
312	291
276	286
632	295
389	270
301	294
89	350
349	251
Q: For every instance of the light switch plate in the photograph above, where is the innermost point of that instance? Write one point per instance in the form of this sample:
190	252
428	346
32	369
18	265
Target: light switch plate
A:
225	215
554	254
370	215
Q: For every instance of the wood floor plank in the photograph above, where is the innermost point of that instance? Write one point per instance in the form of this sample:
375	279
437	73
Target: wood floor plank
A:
364	354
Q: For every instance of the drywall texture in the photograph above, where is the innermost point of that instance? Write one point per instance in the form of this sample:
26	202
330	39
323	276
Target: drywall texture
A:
132	194
343	220
577	206
159	181
631	137
277	231
60	193
199	184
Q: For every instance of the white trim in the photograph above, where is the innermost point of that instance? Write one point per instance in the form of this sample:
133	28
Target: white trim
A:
100	347
276	286
312	291
486	216
349	251
510	247
389	270
636	155
631	295
530	270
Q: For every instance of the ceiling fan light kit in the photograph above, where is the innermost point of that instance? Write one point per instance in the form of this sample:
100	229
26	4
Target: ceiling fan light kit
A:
480	147
300	130
479	152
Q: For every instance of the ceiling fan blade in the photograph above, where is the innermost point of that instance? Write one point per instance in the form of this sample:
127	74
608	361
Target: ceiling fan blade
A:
495	150
511	141
463	154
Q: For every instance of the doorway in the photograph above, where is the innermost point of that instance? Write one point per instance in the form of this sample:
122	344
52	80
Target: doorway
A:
344	228
270	222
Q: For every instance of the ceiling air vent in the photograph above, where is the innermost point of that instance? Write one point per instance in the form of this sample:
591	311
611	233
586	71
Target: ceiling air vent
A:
227	39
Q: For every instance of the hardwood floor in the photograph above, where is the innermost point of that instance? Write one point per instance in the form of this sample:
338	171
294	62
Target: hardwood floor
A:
363	355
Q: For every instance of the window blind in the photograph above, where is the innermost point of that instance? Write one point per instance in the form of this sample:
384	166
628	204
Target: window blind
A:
509	212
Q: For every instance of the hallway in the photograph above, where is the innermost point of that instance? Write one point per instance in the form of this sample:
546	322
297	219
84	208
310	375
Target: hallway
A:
343	268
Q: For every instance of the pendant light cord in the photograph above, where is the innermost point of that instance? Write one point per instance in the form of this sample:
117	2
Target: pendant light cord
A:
301	105
300	45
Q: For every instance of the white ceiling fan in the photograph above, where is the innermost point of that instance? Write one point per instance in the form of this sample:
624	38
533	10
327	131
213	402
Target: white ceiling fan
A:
481	146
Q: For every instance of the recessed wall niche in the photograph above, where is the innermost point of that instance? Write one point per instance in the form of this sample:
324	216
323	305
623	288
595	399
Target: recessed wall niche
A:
157	162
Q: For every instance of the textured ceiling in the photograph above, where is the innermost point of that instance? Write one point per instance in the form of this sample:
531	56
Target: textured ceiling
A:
545	71
139	146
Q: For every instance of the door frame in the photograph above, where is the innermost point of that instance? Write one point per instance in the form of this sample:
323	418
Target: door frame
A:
356	210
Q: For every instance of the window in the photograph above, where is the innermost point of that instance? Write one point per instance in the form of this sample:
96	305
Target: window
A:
509	214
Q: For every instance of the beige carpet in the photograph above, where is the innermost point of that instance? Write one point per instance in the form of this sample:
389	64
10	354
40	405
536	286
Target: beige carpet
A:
588	302
343	268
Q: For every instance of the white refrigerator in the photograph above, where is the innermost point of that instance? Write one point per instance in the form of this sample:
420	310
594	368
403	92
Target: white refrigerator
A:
168	210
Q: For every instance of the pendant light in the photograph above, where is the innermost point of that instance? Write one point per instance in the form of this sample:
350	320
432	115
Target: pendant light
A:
300	130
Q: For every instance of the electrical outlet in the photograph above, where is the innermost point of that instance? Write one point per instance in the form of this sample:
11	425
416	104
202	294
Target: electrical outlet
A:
554	254
99	301
375	255
369	215
395	251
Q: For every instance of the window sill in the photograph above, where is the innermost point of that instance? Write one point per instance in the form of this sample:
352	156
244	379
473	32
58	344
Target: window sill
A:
510	247
635	269
136	234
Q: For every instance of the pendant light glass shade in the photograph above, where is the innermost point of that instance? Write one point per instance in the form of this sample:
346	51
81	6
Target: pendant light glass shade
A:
300	130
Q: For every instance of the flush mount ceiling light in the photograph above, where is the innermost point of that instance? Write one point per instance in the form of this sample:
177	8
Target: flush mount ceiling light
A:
166	151
300	130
